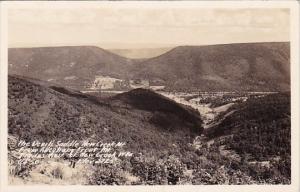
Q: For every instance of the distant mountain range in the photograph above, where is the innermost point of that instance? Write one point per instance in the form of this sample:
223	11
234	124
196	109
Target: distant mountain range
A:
230	67
141	53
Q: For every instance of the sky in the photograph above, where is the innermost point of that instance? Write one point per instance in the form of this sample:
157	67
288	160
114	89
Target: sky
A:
121	28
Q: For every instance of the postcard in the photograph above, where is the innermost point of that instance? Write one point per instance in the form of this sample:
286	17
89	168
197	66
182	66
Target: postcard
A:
153	95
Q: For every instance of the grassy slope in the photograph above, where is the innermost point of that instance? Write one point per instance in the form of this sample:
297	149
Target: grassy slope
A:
40	112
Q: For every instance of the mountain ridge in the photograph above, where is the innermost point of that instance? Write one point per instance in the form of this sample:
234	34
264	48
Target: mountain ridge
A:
223	67
215	65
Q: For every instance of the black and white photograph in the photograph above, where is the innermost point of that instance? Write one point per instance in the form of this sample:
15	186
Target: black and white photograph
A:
135	94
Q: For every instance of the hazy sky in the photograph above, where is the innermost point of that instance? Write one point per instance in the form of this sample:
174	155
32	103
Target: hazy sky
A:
144	27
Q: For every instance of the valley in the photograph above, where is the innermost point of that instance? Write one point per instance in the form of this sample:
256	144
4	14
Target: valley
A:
193	115
209	104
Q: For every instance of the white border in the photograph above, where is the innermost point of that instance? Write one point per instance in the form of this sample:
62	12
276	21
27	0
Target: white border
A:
294	36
